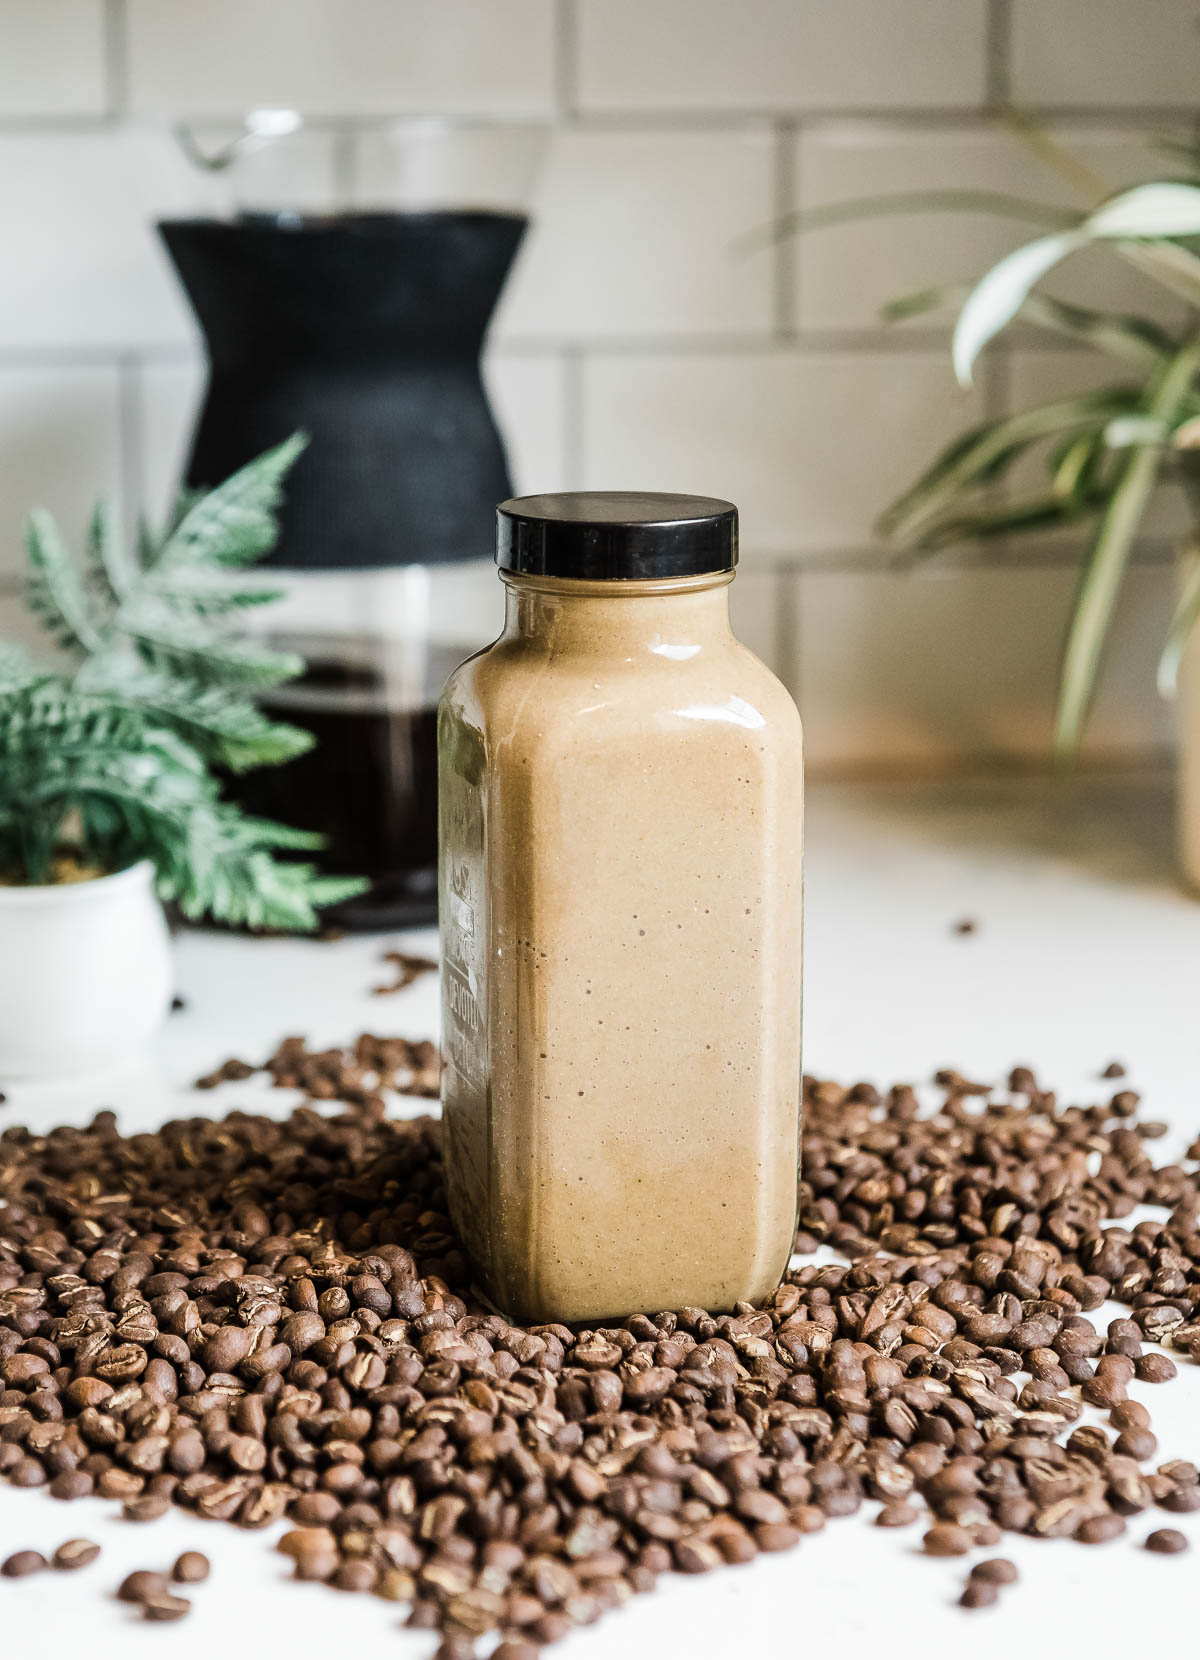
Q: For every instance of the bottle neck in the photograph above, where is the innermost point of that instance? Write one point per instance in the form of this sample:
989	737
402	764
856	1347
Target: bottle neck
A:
673	619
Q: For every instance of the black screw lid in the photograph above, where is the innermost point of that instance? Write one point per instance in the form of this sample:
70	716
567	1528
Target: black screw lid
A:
616	535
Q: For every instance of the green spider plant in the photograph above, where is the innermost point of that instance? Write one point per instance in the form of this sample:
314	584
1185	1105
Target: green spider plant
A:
1106	449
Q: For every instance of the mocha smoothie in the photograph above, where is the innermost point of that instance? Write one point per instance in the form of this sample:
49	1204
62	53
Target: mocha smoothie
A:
621	811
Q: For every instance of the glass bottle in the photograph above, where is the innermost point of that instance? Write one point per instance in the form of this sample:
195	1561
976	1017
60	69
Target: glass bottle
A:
620	867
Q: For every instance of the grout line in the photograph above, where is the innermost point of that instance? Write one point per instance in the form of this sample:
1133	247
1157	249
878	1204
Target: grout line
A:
909	341
572	362
90	357
566	61
969	117
881	561
130	429
116	59
1120	119
784	200
998	47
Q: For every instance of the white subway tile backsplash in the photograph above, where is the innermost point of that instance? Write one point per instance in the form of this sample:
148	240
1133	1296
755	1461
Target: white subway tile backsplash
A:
1105	52
636	233
52	58
59	449
792	54
811	445
18	628
639	343
846	273
934	667
340	57
529	401
83	266
754	613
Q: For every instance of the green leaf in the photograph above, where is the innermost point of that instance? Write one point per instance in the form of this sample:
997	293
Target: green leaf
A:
979	456
905	202
235	523
109	568
990	524
56	594
1170	264
998	297
228	730
204	593
1163	208
1133	339
1105	566
185	646
1187	614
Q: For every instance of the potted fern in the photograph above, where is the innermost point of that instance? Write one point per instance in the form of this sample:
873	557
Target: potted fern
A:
112	761
1104	451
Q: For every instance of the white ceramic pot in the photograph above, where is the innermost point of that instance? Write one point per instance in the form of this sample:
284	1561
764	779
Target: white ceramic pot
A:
85	973
1188	810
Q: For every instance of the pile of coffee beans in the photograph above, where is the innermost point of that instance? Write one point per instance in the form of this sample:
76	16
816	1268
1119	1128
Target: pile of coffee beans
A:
260	1320
357	1075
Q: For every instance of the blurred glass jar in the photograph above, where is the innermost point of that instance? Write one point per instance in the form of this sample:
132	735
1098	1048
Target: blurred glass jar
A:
344	278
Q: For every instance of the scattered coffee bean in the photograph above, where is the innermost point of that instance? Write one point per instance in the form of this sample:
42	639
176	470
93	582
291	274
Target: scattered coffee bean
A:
407	969
191	1568
21	1563
979	1593
76	1553
177	1004
162	1606
1168	1541
997	1569
268	1319
1114	1069
143	1583
945	1539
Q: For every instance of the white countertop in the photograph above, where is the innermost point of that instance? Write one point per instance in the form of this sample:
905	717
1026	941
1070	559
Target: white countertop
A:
1084	951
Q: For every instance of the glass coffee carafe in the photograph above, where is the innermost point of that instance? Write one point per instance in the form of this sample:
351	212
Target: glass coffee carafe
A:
344	288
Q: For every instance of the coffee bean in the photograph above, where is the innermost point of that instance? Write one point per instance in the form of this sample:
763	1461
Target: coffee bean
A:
21	1563
979	1593
946	1539
143	1583
284	1326
162	1606
997	1569
190	1568
1167	1541
1181	1500
27	1472
71	1484
75	1553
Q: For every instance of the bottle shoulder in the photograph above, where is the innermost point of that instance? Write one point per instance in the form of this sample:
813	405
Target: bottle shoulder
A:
513	695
